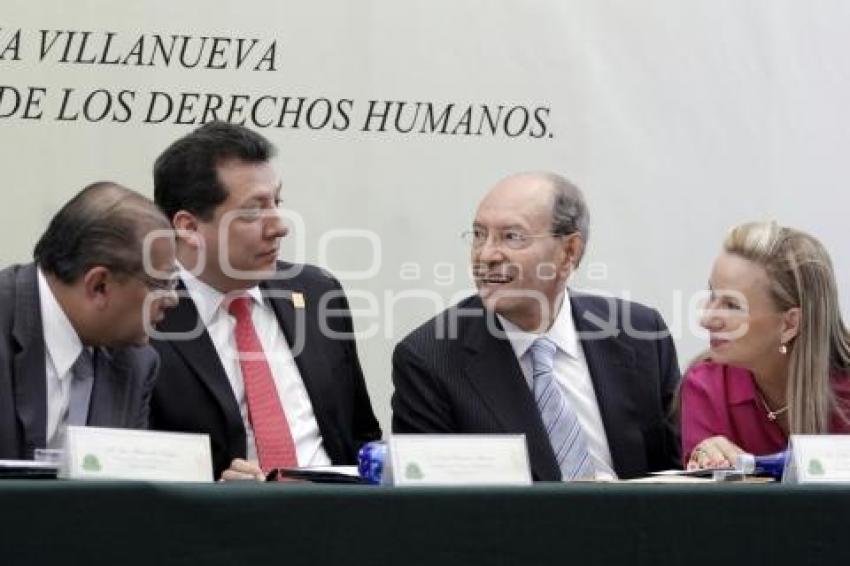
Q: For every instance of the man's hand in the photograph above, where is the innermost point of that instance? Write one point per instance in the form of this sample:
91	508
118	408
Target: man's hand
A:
243	470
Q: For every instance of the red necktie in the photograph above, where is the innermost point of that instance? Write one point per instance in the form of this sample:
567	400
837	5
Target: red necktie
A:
275	447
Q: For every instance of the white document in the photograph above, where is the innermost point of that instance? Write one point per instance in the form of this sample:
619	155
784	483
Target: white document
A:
24	469
341	470
457	459
818	458
112	453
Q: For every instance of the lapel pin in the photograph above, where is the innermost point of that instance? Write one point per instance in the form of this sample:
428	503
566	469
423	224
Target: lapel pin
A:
298	300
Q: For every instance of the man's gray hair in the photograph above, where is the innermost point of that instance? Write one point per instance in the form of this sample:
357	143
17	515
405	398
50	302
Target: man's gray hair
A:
569	210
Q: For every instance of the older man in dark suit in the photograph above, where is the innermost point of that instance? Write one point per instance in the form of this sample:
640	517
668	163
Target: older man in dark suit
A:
259	353
588	380
73	325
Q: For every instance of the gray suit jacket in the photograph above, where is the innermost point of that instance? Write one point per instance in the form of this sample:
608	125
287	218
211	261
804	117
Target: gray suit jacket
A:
120	394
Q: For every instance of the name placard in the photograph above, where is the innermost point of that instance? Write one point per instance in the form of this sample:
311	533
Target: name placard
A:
457	459
818	458
112	453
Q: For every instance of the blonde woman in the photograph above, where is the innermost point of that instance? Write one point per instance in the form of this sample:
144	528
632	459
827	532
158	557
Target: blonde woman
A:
779	361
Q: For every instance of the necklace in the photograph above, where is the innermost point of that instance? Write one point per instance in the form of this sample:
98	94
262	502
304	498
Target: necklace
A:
771	415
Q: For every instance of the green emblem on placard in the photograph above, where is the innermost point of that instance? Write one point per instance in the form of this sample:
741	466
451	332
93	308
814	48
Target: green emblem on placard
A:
815	467
413	472
91	463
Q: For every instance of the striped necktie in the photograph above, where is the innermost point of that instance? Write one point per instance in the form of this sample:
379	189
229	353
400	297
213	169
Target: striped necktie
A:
559	417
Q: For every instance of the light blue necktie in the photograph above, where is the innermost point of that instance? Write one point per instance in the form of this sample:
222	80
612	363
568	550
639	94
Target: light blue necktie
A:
81	386
565	433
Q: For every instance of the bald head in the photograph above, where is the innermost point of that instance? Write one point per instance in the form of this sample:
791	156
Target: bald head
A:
548	193
528	195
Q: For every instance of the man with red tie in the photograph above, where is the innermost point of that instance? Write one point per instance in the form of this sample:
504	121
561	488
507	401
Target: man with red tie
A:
259	353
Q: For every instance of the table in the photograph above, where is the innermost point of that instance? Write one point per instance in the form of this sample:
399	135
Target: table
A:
286	524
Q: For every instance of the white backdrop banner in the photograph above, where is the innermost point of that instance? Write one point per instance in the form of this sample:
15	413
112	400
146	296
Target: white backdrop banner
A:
677	118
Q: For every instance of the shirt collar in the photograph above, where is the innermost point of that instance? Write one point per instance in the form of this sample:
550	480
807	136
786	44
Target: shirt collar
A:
61	341
208	299
562	332
741	384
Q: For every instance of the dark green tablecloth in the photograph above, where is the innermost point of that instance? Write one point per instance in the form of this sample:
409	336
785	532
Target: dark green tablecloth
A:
87	523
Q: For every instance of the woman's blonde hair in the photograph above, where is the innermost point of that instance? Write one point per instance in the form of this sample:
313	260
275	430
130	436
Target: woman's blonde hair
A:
801	275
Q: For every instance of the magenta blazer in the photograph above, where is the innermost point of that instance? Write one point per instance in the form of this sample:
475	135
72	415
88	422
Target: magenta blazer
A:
720	400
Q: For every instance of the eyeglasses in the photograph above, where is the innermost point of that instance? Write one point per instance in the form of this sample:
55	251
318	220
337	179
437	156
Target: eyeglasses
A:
512	239
158	283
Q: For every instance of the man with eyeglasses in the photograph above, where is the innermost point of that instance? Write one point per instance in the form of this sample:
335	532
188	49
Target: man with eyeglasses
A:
74	324
259	353
587	379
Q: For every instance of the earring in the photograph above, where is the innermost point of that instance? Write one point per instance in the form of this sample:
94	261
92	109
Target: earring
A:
783	349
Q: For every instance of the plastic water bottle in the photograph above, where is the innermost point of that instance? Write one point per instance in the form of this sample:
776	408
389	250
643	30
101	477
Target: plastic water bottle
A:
370	461
772	465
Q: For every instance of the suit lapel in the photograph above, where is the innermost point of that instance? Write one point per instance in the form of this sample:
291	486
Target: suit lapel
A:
292	321
301	330
197	349
611	363
30	379
494	372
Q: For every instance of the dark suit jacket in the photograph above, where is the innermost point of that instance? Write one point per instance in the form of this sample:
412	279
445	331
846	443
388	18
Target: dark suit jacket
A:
194	395
122	388
474	384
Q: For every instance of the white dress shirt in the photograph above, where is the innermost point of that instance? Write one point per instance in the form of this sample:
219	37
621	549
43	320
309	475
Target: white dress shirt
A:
220	326
573	378
62	347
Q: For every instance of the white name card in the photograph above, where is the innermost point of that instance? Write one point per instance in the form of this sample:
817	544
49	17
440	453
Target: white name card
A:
457	459
124	454
818	458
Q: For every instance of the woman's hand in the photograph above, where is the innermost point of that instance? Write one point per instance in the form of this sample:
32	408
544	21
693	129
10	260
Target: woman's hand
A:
714	452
